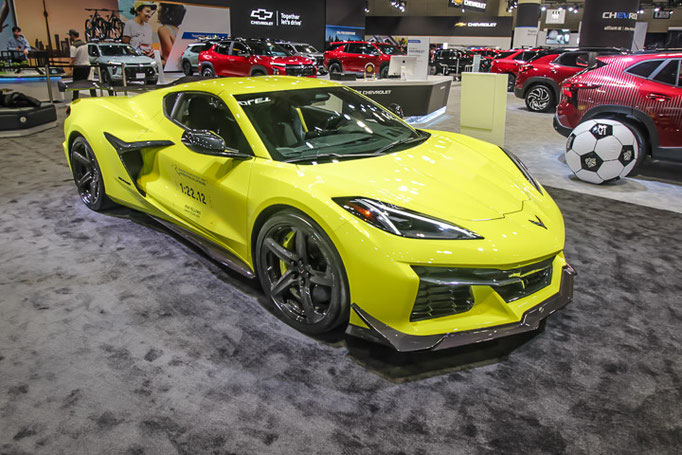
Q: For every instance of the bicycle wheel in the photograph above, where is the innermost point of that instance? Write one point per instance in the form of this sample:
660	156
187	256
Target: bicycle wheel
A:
115	28
89	30
100	28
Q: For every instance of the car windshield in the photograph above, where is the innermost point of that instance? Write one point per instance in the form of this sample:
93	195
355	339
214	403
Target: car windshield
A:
505	55
325	123
116	50
306	49
390	49
269	49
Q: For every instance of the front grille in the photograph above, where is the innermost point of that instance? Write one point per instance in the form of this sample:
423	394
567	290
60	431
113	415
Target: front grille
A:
300	70
444	291
133	71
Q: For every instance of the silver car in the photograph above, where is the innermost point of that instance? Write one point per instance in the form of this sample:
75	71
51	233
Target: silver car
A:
190	58
111	56
305	50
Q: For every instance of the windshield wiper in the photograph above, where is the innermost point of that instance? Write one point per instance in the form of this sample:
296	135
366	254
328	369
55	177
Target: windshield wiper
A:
327	156
408	140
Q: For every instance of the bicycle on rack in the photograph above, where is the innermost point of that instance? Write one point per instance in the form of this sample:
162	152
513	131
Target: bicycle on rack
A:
98	27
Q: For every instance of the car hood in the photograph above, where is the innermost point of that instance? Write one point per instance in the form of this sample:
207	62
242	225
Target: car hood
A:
127	59
293	60
451	177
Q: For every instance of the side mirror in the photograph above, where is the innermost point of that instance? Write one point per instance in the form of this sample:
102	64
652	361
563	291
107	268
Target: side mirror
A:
207	142
396	109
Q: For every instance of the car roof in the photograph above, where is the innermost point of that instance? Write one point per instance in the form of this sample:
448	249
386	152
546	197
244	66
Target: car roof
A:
246	85
634	58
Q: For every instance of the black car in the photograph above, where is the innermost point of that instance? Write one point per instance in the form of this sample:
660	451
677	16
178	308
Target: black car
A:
453	60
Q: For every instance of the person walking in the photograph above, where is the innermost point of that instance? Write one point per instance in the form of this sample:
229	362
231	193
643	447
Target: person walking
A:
79	60
138	32
19	44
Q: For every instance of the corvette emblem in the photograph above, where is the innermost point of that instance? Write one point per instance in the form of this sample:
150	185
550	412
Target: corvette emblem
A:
261	14
538	222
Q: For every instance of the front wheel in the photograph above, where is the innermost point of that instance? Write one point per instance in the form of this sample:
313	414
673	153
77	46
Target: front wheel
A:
88	176
302	273
383	72
335	68
540	98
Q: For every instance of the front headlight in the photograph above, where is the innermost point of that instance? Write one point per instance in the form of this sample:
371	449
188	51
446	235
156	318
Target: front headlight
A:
524	170
153	63
403	222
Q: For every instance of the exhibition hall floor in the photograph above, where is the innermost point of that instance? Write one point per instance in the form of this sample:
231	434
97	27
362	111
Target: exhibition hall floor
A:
118	338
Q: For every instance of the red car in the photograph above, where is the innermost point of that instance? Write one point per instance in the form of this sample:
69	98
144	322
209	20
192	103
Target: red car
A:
539	80
352	56
642	91
510	63
487	56
252	57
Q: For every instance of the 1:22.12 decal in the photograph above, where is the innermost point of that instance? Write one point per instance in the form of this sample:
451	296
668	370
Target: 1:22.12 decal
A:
191	192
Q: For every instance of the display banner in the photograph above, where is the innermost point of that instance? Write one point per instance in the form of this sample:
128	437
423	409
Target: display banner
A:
440	25
7	21
175	25
300	21
555	16
479	5
609	21
343	33
419	48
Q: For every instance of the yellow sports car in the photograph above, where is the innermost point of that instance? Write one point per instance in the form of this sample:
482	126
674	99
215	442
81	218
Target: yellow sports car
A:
345	213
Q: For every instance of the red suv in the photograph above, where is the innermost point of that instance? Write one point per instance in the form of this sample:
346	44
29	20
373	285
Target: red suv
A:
539	80
352	56
643	91
510	63
252	57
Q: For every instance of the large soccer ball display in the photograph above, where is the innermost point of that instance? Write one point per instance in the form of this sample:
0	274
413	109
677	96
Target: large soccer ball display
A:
601	150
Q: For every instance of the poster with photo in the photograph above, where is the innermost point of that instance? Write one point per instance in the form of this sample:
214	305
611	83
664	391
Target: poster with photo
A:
7	21
343	33
168	27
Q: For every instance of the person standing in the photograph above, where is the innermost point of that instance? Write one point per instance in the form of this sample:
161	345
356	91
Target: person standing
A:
170	17
137	32
18	44
80	60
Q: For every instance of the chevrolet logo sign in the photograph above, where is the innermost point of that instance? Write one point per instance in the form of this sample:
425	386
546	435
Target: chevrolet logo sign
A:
461	24
261	14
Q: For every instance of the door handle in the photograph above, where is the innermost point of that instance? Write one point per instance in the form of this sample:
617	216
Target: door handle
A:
658	97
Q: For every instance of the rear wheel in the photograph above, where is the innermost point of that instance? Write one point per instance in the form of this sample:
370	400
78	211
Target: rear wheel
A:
88	176
302	273
642	143
335	68
540	98
187	67
383	72
511	82
207	71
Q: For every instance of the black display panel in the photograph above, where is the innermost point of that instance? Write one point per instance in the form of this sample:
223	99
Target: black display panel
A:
609	23
440	25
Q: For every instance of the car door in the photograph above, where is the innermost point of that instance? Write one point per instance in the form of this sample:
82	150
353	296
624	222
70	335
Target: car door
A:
205	192
240	64
353	60
221	59
661	98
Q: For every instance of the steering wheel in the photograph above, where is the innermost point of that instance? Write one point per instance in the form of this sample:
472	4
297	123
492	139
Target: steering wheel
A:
333	121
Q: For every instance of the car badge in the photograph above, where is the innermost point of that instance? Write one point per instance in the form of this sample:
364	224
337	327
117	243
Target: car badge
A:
538	222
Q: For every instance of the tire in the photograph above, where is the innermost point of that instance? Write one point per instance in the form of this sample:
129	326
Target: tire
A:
87	176
151	81
257	73
335	68
187	67
511	82
642	143
540	98
383	72
208	72
302	273
116	28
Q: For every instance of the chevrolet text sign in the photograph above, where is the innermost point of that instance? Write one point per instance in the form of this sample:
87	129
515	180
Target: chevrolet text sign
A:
262	16
618	15
479	5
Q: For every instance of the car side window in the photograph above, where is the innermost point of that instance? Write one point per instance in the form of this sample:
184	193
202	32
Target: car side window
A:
668	74
644	69
238	48
370	50
223	49
353	48
205	111
92	51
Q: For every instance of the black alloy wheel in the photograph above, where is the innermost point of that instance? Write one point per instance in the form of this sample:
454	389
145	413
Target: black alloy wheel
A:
335	68
302	273
511	82
187	68
539	98
87	176
207	72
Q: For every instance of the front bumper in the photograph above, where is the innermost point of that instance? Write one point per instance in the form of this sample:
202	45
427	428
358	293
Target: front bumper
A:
518	91
379	332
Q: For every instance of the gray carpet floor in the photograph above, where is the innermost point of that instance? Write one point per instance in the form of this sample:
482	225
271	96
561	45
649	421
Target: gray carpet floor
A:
116	338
